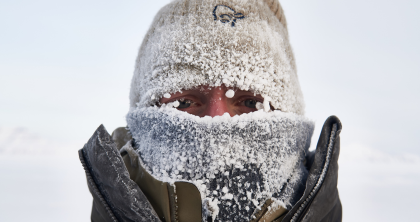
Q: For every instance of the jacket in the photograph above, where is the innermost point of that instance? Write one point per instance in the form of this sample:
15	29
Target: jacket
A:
123	191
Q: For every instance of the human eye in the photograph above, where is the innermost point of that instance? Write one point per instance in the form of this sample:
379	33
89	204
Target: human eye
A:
184	103
250	103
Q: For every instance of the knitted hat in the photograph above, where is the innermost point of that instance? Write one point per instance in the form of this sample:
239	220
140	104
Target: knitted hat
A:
238	43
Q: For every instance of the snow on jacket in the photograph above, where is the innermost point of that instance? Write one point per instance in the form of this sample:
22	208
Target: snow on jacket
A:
123	191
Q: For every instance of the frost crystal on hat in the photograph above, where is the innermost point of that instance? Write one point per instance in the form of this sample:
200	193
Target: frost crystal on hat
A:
240	43
237	162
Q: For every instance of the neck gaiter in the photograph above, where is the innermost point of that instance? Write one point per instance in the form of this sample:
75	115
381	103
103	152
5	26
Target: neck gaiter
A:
237	163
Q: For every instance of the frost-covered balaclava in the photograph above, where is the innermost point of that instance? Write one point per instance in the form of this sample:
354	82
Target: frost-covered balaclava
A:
236	162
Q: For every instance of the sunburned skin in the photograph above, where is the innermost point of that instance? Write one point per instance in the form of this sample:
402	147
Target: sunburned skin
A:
212	101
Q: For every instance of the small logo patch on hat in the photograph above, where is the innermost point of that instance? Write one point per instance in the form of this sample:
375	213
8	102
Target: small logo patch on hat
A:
226	14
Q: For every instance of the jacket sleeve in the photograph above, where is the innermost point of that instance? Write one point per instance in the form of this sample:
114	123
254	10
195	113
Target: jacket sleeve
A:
321	202
115	196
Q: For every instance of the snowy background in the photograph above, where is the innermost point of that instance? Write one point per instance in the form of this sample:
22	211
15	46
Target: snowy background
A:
66	66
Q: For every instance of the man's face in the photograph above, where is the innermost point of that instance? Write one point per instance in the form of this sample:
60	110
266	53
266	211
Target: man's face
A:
215	101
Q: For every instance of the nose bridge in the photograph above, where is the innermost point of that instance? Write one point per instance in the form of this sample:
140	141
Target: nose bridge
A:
217	105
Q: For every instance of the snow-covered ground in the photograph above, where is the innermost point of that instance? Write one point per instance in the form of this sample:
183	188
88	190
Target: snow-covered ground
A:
51	186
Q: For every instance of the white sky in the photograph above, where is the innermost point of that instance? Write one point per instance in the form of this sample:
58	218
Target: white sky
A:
66	66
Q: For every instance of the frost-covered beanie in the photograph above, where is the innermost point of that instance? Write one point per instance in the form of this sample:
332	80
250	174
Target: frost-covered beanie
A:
238	43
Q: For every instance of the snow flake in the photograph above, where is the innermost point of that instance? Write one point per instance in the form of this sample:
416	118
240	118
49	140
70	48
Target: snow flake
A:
230	93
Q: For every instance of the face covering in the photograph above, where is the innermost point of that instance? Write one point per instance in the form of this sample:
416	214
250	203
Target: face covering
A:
237	163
